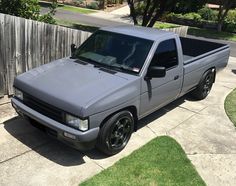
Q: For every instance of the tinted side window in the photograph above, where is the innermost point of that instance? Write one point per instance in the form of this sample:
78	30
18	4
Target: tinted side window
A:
166	54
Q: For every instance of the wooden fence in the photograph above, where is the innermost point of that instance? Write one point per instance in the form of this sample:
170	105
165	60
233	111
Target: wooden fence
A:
181	31
25	44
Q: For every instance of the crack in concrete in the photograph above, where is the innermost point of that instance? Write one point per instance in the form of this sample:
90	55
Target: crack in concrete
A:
19	155
5	103
103	168
227	87
188	109
151	130
168	132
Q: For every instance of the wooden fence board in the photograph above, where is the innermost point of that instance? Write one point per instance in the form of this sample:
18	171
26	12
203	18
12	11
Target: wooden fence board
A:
26	44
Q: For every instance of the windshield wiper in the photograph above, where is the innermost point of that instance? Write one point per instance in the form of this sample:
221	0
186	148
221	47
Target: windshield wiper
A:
87	60
95	63
123	69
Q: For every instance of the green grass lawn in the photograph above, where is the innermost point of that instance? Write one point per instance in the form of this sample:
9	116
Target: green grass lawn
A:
211	34
160	162
77	9
230	106
68	8
163	25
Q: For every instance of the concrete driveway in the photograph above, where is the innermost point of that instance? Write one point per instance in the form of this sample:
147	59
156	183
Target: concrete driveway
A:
29	157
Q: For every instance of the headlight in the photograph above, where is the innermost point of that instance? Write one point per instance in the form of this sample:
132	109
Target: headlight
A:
18	94
76	122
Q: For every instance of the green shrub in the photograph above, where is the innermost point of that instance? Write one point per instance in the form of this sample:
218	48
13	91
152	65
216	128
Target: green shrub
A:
93	5
48	17
78	2
193	16
208	14
230	21
231	17
28	9
190	16
172	16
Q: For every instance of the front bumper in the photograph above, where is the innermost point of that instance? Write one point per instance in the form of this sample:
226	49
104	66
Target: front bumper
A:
82	141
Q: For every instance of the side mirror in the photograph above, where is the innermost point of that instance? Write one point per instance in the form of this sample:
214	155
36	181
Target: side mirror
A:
156	72
73	49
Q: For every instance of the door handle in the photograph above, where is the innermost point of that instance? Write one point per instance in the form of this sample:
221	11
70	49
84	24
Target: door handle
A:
176	77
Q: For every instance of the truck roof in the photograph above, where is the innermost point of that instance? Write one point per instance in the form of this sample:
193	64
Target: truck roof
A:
138	31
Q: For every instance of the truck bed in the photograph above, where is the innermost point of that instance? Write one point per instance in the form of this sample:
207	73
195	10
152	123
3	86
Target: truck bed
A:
194	49
199	56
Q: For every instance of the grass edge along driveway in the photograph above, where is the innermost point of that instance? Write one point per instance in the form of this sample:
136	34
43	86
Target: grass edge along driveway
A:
160	162
77	9
230	106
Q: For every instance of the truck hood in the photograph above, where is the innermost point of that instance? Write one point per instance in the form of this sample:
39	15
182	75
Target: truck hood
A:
71	86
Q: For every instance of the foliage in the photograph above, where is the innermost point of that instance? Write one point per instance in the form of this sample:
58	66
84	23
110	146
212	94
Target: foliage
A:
28	9
189	16
207	33
160	162
230	21
192	16
78	2
150	11
48	18
224	7
202	19
93	5
186	6
231	17
208	14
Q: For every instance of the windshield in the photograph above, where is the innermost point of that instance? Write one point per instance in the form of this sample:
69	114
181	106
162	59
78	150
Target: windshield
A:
116	51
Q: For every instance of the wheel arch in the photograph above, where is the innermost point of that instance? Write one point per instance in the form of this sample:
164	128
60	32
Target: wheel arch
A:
131	109
213	69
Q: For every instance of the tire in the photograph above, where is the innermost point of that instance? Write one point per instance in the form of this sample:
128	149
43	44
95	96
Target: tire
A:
115	133
204	86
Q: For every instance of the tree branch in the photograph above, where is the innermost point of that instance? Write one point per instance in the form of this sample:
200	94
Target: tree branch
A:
145	20
153	8
132	11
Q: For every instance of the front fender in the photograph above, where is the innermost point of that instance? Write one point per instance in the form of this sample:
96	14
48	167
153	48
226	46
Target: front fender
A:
113	99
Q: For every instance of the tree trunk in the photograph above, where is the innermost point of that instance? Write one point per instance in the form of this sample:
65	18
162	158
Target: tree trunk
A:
219	26
132	12
223	11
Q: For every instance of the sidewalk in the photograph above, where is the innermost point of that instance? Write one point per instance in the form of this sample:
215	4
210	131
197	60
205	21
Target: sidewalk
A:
29	157
119	15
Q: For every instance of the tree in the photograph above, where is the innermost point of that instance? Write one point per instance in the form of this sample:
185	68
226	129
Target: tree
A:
224	7
48	18
149	11
186	6
28	9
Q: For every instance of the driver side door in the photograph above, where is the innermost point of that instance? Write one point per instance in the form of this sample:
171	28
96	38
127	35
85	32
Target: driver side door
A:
157	92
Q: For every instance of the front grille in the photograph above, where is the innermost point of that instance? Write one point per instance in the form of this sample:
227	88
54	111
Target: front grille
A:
43	108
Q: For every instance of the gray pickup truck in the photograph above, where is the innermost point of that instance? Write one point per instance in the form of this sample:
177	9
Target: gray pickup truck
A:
116	77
